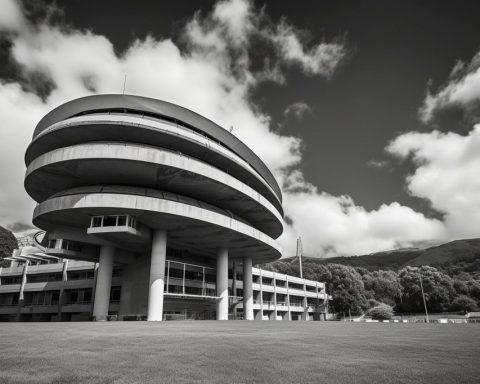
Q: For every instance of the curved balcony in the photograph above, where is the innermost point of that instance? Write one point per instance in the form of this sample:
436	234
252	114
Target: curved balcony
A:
147	166
191	224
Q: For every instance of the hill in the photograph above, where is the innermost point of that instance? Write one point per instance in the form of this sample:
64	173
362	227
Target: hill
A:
456	252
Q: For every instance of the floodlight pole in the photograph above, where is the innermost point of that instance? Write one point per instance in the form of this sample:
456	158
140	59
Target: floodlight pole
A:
423	296
299	254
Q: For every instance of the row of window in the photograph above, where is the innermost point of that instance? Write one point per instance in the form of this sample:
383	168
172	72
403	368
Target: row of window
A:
70	297
283	283
55	276
186	290
65	244
114	221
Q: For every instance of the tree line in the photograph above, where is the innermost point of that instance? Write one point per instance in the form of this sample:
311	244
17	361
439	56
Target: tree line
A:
358	290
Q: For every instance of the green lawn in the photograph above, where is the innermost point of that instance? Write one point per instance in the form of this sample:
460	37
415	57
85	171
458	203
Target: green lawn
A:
239	352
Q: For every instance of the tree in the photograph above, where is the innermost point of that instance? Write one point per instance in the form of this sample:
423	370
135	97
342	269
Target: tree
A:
384	285
344	283
463	303
438	288
8	243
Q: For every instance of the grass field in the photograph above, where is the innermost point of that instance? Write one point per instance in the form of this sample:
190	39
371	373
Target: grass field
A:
239	352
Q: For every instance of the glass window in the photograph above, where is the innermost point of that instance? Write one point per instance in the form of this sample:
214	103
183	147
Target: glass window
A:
122	220
193	291
97	221
87	296
110	221
115	295
117	272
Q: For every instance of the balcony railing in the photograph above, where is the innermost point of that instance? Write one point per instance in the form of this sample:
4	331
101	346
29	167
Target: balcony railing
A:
295	303
78	303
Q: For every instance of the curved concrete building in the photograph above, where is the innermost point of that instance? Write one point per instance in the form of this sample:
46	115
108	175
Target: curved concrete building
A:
173	198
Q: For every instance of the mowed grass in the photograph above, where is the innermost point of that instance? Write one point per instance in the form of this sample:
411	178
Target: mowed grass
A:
239	352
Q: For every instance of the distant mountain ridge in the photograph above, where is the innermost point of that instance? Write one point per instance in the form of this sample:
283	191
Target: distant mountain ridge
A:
450	253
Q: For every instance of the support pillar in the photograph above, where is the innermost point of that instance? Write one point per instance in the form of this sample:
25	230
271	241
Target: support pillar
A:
22	288
222	284
104	283
62	288
157	275
247	289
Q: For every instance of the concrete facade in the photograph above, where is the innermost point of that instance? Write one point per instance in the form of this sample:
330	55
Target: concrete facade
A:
160	193
65	290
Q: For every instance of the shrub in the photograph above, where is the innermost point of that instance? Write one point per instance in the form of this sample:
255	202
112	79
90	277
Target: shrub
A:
381	312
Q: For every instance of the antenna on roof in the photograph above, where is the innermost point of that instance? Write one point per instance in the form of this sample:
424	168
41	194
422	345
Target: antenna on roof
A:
124	83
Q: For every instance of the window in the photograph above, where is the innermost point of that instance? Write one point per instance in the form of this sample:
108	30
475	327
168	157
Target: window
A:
44	277
267	281
8	280
97	221
193	291
295	286
70	245
309	288
122	220
115	295
117	272
8	299
110	221
78	296
80	275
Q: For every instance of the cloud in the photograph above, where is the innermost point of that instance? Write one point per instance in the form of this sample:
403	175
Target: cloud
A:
212	68
20	227
446	174
461	90
298	109
11	16
377	163
334	225
320	59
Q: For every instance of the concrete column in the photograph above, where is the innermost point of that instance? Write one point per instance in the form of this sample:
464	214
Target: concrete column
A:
22	288
62	288
247	289
127	290
104	283
157	275
222	284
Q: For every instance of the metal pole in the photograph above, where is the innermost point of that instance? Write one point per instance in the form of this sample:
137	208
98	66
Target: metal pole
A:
299	254
423	296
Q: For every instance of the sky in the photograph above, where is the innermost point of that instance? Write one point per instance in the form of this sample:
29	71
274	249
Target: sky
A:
366	111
